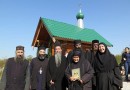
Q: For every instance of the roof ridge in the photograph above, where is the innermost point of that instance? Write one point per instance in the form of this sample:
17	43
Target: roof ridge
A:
66	23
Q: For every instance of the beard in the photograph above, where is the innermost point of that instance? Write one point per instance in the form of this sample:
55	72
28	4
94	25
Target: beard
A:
41	57
19	58
58	59
58	55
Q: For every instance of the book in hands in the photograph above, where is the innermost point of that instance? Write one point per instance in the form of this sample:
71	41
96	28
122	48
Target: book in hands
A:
76	73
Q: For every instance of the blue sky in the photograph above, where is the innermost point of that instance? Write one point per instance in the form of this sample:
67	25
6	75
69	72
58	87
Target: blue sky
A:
19	19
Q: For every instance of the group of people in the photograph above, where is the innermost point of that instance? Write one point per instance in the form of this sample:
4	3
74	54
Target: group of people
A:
95	69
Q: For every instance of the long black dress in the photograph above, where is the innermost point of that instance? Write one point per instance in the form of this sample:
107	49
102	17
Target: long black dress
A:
108	75
56	74
86	73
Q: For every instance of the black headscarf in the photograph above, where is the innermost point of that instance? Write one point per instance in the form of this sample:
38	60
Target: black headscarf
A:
104	62
81	59
77	53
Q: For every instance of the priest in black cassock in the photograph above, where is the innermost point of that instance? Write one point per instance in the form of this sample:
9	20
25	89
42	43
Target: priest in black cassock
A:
38	67
90	55
56	69
16	74
77	46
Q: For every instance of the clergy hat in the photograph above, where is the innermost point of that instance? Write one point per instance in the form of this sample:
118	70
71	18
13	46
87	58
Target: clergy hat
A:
57	43
95	41
77	53
41	47
20	47
77	42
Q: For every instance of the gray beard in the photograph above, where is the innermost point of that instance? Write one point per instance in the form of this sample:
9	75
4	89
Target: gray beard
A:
19	57
19	60
58	59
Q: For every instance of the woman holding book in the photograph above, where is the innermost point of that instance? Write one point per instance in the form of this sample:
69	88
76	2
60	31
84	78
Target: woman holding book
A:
79	73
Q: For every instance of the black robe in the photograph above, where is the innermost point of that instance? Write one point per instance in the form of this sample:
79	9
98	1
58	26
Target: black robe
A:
108	76
56	74
16	75
38	81
90	56
86	73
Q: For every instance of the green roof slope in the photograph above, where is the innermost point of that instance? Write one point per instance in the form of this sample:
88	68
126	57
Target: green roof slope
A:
68	31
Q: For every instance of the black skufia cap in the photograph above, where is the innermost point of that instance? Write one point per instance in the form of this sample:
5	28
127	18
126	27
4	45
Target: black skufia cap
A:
57	43
95	41
77	42
41	47
20	47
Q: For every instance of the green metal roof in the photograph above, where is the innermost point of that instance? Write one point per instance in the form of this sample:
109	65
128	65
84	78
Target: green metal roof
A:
68	31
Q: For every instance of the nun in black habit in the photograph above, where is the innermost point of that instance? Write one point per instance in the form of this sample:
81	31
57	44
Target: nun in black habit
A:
108	75
56	70
81	81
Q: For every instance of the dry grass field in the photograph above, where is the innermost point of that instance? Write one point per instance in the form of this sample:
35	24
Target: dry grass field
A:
2	64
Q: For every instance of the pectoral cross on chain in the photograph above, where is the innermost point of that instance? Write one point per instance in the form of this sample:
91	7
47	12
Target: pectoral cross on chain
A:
40	71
